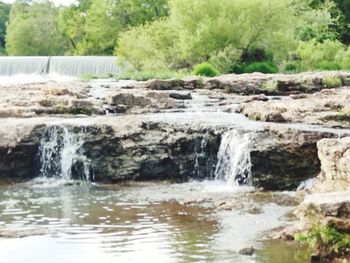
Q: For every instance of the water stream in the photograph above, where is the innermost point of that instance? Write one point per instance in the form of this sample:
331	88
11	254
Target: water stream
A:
62	156
234	165
83	222
148	222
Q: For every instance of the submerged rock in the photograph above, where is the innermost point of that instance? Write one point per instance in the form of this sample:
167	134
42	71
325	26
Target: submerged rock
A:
248	251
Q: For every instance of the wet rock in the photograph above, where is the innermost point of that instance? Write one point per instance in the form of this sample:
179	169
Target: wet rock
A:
247	251
171	84
260	97
180	96
128	99
114	109
298	96
273	117
282	158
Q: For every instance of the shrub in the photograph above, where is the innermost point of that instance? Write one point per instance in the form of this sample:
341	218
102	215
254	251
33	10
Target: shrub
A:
332	82
291	67
328	65
327	55
326	240
263	67
205	69
270	87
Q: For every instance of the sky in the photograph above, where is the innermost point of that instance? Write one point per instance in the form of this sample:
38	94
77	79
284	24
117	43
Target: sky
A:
57	2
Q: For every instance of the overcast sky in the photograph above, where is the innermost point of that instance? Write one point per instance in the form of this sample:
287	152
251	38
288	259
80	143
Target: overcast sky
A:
57	2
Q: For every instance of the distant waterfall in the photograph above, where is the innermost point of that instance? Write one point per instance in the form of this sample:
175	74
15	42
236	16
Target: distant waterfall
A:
62	156
234	164
75	66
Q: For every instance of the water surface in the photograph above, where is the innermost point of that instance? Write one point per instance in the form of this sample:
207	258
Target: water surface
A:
136	222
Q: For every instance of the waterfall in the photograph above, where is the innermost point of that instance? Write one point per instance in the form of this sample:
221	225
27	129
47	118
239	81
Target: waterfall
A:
78	66
234	164
75	66
61	154
10	66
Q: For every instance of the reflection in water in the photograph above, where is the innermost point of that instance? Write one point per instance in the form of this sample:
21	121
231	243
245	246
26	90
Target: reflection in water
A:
278	251
95	220
131	223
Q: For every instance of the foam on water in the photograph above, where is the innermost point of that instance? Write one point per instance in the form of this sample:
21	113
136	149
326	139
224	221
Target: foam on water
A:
62	155
234	164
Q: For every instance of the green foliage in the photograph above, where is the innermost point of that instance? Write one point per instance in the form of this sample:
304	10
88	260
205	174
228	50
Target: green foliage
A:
94	26
332	82
147	75
263	67
291	67
326	240
205	69
4	16
271	86
33	30
313	55
201	30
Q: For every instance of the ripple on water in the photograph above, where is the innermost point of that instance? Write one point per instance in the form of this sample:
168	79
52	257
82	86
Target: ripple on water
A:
129	223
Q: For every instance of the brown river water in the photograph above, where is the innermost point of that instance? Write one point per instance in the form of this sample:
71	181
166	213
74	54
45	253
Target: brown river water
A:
52	222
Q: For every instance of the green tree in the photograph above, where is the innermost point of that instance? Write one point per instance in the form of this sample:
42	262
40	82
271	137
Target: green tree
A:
224	34
94	29
72	21
341	12
33	30
4	16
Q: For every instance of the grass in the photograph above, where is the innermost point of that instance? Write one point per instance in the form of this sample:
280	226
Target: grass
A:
332	82
147	75
87	77
270	86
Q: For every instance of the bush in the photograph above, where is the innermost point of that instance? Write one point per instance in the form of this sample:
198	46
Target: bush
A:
291	67
332	82
326	241
327	55
205	69
263	67
328	65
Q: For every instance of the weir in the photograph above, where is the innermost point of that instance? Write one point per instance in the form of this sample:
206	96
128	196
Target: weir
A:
74	66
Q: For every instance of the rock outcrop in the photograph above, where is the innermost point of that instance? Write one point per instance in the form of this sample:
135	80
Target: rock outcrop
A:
257	83
131	149
284	156
328	107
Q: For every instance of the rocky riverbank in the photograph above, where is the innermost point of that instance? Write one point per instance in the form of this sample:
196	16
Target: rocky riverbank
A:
173	127
285	128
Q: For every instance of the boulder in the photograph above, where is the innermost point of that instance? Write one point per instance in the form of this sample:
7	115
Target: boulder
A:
334	155
128	99
180	96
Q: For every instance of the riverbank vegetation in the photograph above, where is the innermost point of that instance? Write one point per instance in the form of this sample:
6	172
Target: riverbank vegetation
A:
178	35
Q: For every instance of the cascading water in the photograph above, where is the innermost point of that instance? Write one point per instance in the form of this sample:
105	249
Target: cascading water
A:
234	164
62	156
62	66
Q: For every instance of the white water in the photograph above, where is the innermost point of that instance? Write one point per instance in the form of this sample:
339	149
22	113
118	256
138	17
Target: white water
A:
61	150
62	66
234	164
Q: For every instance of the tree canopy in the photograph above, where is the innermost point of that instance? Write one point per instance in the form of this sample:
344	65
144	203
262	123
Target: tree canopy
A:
33	30
152	35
